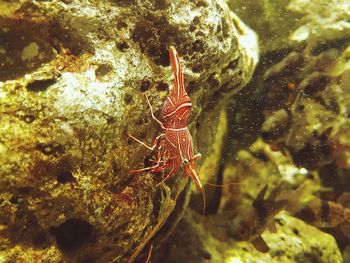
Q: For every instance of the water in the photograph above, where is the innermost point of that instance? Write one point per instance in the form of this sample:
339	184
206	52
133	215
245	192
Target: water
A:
268	83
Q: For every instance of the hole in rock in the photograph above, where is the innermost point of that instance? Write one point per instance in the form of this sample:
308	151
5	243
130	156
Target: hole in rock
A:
50	148
123	46
72	234
162	86
103	70
145	85
40	85
65	175
127	99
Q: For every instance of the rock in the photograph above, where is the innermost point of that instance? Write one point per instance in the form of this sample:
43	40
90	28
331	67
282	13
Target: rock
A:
294	241
271	19
257	166
321	20
72	78
316	96
299	242
277	123
346	254
283	24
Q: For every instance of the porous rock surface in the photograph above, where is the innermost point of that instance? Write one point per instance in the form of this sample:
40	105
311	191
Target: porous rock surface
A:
290	124
312	87
303	138
271	19
198	239
294	241
321	20
72	78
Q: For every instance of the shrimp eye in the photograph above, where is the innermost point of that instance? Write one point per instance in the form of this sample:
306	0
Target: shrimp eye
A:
185	161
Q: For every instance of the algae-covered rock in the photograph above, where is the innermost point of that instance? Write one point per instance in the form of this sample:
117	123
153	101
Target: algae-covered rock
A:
321	20
303	94
315	94
271	19
294	241
300	91
72	79
200	239
306	118
283	24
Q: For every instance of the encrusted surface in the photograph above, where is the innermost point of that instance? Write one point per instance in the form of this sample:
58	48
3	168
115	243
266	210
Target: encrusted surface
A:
294	242
283	24
271	19
315	94
72	78
321	19
289	125
200	239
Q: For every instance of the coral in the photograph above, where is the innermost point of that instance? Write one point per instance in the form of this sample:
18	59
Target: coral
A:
72	78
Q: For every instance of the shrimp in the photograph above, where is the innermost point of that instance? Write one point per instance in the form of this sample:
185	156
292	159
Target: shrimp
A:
175	144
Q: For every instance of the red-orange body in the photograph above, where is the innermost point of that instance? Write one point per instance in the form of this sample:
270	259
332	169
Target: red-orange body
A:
174	145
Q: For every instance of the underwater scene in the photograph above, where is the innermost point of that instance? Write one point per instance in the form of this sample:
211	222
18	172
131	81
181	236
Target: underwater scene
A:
175	131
